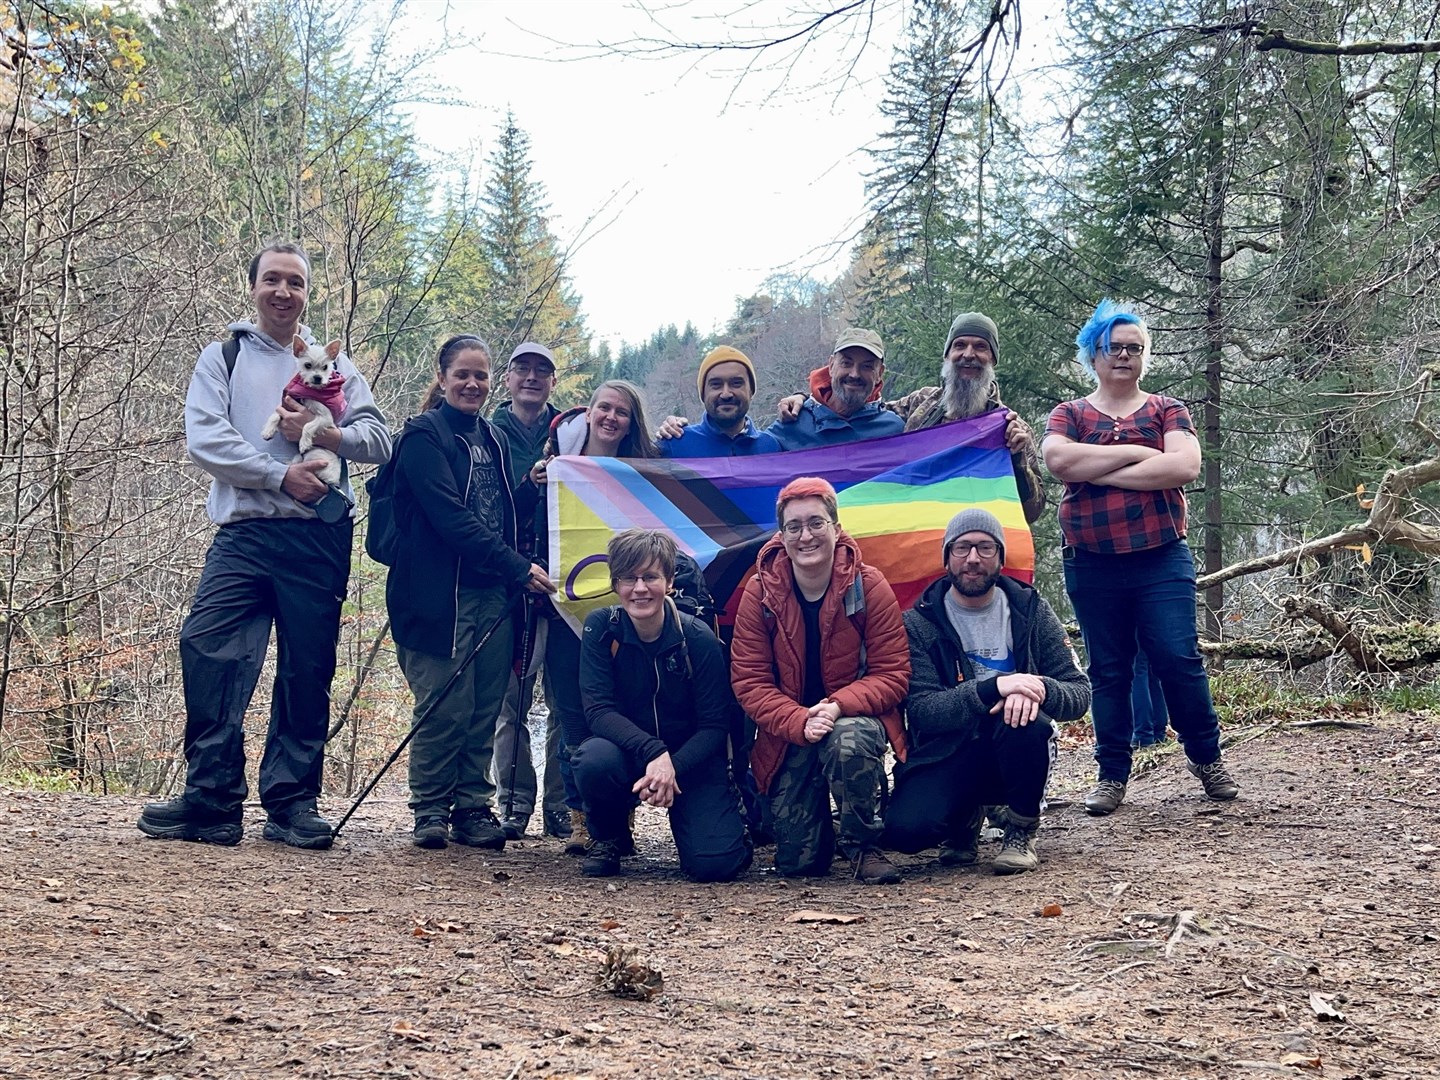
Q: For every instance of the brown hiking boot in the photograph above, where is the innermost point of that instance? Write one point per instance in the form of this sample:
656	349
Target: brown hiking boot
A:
873	868
579	841
1017	850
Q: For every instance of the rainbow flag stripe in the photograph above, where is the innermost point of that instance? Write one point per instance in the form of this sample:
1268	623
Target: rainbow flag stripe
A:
896	496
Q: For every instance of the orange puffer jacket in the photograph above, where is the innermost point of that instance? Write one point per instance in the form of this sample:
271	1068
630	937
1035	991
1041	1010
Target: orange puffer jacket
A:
767	656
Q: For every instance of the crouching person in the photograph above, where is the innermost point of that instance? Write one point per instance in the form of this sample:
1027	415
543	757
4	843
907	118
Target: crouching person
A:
819	662
657	702
990	669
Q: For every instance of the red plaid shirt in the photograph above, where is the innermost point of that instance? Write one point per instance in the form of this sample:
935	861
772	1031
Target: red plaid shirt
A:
1111	520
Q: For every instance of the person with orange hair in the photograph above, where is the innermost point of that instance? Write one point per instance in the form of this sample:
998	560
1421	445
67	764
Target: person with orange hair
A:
820	662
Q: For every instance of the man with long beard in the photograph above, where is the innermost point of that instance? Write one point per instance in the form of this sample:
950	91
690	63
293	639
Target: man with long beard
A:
968	388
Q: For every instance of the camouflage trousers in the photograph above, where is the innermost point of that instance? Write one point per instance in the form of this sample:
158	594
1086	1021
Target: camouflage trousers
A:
847	765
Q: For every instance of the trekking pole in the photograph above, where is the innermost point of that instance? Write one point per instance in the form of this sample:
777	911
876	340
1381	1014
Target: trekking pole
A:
522	707
444	692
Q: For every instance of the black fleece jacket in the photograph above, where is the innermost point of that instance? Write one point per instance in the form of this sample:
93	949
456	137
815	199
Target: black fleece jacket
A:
438	529
947	705
647	707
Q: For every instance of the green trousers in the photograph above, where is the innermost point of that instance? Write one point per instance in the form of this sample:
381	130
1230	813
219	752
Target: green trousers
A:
451	753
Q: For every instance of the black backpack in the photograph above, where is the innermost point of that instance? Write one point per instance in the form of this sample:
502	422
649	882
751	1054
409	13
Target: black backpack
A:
691	594
383	535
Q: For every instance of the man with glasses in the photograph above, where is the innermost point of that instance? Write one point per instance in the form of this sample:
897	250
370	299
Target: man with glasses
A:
820	662
991	671
524	422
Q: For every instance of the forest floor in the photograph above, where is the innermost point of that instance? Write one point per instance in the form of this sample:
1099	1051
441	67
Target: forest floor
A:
1294	931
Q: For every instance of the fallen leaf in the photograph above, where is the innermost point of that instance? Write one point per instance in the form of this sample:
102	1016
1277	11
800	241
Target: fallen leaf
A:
291	911
421	932
1049	911
609	924
450	927
564	948
407	1030
501	875
1323	1010
1302	1061
967	944
55	898
51	882
835	917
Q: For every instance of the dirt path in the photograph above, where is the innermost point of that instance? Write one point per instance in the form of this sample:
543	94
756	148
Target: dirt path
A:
1193	941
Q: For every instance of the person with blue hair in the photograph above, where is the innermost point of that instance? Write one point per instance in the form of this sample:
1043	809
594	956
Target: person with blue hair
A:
1125	456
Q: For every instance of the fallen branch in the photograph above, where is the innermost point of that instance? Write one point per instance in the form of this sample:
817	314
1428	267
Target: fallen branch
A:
1385	525
150	1022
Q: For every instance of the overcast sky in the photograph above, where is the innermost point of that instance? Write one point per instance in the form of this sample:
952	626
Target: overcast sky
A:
678	181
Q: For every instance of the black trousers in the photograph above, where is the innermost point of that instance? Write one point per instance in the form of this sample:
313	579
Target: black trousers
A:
704	820
291	574
933	801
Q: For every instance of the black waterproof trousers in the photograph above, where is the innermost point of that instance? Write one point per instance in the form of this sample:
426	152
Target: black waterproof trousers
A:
705	819
291	573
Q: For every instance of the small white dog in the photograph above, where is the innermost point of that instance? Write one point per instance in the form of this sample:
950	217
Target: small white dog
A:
320	388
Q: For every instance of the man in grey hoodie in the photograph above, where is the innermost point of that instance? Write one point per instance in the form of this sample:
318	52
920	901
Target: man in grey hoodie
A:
273	561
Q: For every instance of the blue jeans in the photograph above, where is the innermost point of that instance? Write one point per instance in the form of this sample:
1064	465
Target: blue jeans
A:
1150	594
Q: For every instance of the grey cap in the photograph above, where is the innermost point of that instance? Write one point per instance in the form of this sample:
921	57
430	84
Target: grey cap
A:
974	324
531	348
973	520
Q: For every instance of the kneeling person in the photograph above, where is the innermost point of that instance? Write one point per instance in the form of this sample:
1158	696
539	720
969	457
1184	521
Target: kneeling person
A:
657	701
990	670
819	663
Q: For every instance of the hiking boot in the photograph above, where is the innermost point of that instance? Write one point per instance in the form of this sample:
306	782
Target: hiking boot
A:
177	819
579	842
299	826
514	827
601	860
873	868
477	827
1219	785
1017	849
431	831
557	824
963	849
1105	797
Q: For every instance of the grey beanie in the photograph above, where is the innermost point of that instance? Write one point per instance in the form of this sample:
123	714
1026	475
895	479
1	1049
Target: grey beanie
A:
973	520
974	324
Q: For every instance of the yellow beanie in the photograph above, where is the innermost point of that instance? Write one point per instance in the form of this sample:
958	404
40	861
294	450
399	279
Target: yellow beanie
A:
723	354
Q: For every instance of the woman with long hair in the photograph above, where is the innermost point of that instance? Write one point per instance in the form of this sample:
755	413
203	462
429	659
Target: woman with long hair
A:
455	574
613	424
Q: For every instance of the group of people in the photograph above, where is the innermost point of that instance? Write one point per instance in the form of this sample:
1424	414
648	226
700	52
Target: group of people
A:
786	737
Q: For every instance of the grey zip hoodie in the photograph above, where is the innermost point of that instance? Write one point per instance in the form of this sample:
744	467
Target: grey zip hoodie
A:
225	414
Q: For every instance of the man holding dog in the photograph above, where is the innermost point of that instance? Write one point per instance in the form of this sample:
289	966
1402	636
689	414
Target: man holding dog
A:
273	561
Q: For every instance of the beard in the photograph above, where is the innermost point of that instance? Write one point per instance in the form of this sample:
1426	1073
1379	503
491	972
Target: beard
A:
975	588
850	398
964	398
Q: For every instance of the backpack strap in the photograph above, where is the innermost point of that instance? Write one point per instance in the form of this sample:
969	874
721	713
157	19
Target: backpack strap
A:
855	612
230	350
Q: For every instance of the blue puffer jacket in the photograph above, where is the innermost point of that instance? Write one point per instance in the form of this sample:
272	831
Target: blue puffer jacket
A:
819	425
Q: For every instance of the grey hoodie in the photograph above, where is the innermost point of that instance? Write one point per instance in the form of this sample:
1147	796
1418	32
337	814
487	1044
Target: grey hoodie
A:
224	417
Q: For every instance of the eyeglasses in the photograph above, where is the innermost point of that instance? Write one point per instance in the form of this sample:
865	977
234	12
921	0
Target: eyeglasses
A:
629	581
816	526
1115	351
986	548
